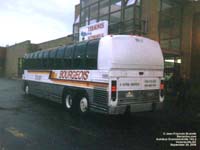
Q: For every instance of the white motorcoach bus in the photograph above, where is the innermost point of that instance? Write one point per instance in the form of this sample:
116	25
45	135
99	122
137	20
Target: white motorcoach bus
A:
112	75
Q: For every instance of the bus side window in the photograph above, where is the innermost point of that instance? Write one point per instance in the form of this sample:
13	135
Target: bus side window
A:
59	64
52	57
91	54
26	61
40	59
32	61
79	56
68	57
29	63
45	60
37	62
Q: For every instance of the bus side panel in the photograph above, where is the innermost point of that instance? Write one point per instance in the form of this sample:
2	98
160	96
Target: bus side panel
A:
45	90
98	96
55	92
37	89
100	100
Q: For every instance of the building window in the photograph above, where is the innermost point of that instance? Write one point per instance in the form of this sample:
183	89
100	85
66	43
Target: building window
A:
102	18
123	16
115	5
115	17
129	13
84	16
170	25
104	7
94	11
85	3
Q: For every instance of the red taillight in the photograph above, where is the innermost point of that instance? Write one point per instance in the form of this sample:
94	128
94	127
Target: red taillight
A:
113	90
162	86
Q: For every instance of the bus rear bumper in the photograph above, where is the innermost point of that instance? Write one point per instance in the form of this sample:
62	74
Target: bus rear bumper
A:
135	108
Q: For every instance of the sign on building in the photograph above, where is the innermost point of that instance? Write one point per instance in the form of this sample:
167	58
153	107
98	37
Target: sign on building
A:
93	31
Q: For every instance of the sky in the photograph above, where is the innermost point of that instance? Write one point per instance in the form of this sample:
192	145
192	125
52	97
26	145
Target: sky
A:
35	20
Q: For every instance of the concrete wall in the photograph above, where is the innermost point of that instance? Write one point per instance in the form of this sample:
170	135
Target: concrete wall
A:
12	54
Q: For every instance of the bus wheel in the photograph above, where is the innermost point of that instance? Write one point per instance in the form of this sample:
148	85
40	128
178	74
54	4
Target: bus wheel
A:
68	102
83	105
26	90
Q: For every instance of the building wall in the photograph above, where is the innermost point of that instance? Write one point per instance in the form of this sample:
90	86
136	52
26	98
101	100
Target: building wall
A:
18	50
190	34
150	13
195	55
12	54
2	60
187	37
55	43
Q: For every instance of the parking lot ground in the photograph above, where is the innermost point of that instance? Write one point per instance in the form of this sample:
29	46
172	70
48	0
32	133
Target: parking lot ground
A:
30	123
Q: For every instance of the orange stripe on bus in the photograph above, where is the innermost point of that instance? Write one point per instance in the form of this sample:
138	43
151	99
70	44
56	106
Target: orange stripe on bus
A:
39	72
81	83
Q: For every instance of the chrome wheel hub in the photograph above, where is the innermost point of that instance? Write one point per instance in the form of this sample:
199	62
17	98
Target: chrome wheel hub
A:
83	104
68	101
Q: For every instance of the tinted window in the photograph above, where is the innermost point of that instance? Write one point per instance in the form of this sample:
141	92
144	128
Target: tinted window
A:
37	55
91	54
60	52
31	55
68	51
68	56
37	64
79	56
52	53
34	55
80	50
26	61
46	54
45	60
58	62
40	54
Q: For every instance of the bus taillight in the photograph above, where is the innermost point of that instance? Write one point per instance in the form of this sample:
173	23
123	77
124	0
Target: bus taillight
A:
162	88
113	90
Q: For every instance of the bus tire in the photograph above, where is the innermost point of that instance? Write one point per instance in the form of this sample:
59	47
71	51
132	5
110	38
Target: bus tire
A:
68	101
27	90
83	105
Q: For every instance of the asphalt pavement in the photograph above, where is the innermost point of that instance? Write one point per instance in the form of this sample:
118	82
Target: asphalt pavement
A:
30	123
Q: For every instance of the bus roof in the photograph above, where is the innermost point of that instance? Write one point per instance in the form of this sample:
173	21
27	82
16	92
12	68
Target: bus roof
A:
129	52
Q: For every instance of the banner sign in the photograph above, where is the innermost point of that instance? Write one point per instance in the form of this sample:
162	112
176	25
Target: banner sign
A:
93	31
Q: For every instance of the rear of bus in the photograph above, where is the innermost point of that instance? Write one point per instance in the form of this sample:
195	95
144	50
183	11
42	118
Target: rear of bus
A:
135	75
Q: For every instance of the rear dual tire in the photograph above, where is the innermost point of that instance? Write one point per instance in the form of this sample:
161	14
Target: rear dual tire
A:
68	102
27	90
83	105
76	104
